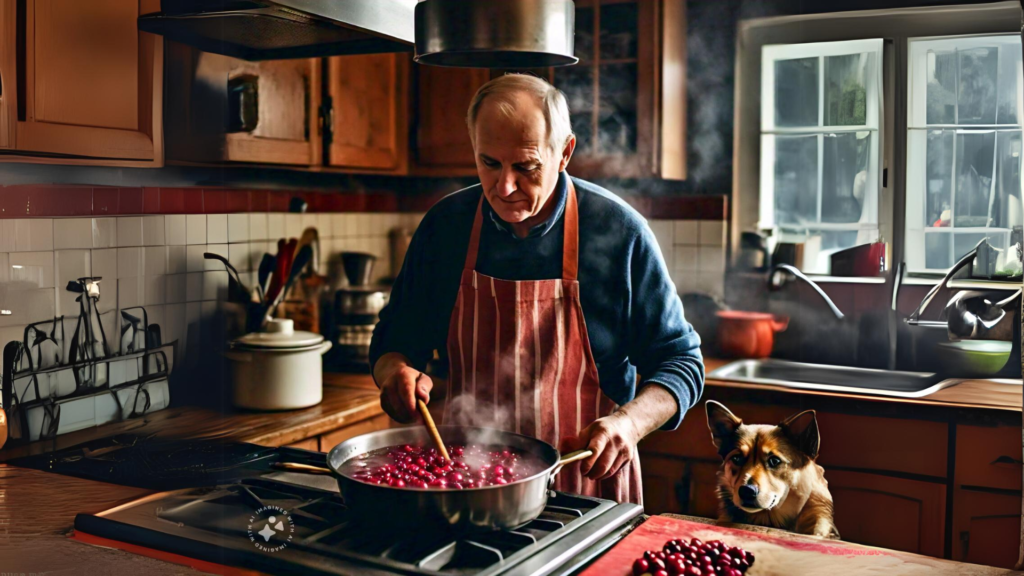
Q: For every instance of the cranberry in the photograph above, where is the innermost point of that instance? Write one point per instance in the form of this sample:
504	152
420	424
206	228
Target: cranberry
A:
661	572
640	566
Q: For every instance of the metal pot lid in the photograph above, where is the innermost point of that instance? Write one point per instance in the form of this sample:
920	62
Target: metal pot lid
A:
495	33
280	333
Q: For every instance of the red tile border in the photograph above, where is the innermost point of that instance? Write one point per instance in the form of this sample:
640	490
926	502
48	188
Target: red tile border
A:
48	201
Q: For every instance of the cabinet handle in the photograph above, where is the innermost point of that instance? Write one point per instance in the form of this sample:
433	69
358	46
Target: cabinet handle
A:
243	103
1006	460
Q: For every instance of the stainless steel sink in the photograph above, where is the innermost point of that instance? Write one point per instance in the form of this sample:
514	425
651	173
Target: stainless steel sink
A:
834	378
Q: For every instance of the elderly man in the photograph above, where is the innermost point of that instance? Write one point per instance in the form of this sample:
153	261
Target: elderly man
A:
548	293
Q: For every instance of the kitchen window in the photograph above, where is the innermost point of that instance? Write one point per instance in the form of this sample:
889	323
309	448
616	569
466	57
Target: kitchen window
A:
821	107
963	149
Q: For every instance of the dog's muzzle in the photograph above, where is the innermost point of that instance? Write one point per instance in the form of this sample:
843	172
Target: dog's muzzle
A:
748	493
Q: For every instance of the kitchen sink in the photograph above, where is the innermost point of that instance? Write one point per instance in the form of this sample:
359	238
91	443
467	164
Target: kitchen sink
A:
834	378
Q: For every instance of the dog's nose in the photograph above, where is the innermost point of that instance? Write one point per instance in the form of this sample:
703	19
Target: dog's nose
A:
748	492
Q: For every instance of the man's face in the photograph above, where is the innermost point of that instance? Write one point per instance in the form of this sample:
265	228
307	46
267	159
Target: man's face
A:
517	168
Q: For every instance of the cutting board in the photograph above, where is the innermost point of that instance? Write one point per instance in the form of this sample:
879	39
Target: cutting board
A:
779	553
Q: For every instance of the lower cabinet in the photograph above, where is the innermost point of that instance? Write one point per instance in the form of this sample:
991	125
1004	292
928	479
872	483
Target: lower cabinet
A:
889	512
986	526
679	486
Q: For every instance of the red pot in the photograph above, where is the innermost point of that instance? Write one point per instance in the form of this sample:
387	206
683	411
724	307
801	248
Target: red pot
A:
748	334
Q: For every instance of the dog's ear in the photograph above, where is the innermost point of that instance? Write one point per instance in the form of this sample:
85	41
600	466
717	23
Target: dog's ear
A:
721	421
802	429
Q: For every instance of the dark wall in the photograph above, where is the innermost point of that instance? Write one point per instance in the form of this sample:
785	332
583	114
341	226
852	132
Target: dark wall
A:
711	59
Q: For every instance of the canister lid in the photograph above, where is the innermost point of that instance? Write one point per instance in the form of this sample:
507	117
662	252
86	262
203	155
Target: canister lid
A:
279	333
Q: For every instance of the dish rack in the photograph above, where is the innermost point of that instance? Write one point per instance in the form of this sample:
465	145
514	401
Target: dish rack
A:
113	367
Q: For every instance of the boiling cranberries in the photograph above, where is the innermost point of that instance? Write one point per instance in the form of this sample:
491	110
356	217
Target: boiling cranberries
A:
471	467
694	558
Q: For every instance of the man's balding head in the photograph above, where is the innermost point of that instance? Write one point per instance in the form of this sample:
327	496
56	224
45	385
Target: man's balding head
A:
510	92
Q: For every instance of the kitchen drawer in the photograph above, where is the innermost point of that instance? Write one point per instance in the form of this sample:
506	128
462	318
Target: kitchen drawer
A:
332	439
988	456
874	443
307	444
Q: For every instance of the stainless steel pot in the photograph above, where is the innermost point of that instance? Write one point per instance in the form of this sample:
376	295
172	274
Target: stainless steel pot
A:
469	510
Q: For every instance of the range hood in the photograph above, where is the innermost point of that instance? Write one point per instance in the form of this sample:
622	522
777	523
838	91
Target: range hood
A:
279	29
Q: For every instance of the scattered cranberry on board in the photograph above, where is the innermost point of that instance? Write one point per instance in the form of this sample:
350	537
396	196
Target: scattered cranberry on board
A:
471	466
694	558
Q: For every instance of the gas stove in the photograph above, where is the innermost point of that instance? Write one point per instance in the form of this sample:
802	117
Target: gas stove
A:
290	523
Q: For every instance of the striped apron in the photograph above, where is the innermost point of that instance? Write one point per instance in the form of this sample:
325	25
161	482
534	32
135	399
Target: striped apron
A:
520	360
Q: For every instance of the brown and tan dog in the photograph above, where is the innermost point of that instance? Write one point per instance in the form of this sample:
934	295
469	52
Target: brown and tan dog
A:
768	475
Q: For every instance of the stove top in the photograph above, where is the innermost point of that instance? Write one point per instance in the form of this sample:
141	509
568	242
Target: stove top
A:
284	523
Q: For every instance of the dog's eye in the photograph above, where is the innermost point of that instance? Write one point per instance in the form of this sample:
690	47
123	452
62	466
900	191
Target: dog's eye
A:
737	459
774	461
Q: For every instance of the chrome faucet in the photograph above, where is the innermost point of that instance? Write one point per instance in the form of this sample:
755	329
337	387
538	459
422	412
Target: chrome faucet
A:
777	279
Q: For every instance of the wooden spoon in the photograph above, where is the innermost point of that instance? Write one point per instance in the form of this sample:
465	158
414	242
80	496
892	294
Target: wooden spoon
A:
429	423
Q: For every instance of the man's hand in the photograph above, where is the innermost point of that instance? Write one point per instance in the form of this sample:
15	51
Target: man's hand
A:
400	386
613	440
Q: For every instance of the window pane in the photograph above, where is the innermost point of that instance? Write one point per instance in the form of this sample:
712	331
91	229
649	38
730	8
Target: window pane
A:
619	30
1009	78
974	162
583	43
941	74
937	254
796	92
1007	210
846	89
977	104
939	178
796	179
844	179
617	109
964	242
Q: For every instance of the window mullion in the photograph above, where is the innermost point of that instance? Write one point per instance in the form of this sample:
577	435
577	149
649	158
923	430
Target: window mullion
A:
821	138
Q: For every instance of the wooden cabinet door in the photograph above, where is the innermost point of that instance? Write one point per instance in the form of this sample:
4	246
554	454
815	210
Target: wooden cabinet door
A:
889	512
444	94
93	83
989	457
986	527
679	486
369	98
8	75
206	93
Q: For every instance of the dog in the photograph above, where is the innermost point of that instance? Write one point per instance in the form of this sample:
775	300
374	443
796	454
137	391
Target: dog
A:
769	476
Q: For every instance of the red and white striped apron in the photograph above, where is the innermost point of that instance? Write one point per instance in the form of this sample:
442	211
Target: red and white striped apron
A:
521	361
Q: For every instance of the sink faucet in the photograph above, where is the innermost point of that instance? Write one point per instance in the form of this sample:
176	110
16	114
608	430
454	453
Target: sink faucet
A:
777	279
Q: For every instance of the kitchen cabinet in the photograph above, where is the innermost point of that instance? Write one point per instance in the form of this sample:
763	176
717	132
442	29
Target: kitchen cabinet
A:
988	457
986	526
226	109
369	122
80	81
888	511
442	99
627	94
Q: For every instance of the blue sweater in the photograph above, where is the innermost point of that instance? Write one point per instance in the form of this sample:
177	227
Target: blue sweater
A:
634	316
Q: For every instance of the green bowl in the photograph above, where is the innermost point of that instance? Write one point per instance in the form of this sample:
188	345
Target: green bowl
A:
974	357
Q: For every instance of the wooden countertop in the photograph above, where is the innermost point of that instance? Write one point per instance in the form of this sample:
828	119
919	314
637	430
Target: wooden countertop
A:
982	394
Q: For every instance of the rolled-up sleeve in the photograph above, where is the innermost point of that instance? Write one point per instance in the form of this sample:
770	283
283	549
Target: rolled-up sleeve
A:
406	325
663	345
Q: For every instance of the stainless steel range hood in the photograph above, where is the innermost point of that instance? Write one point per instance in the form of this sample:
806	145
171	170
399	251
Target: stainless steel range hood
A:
278	29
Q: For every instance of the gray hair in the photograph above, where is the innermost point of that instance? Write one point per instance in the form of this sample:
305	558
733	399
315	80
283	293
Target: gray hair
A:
551	100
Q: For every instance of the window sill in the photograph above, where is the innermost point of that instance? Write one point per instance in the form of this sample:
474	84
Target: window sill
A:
847	279
963	284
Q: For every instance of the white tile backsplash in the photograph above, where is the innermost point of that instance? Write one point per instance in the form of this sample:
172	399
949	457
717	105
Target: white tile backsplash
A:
153	231
177	260
293	225
238	256
712	233
175	229
211	264
194	286
275	226
215	284
195	229
238	228
154	290
257	227
72	233
33	235
194	261
129	292
686	231
37	266
129	231
154	260
130	262
8	235
175	291
104	232
216	228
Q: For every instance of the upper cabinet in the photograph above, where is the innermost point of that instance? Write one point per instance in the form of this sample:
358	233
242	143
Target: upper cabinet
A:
442	100
369	118
80	81
225	109
627	94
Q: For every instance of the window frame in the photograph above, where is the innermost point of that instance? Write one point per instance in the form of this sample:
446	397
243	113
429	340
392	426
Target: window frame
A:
896	26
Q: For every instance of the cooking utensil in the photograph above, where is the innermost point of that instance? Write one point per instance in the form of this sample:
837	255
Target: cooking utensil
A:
310	237
428	421
748	334
300	262
237	292
278	369
469	510
285	251
263	274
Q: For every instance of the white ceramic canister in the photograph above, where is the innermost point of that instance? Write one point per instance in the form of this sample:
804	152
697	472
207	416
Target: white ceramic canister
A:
278	369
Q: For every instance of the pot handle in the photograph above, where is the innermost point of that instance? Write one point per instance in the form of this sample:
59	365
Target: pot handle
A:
780	323
570	458
301	468
325	347
238	356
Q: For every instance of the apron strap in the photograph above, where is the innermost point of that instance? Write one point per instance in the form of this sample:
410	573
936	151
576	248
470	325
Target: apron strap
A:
570	244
